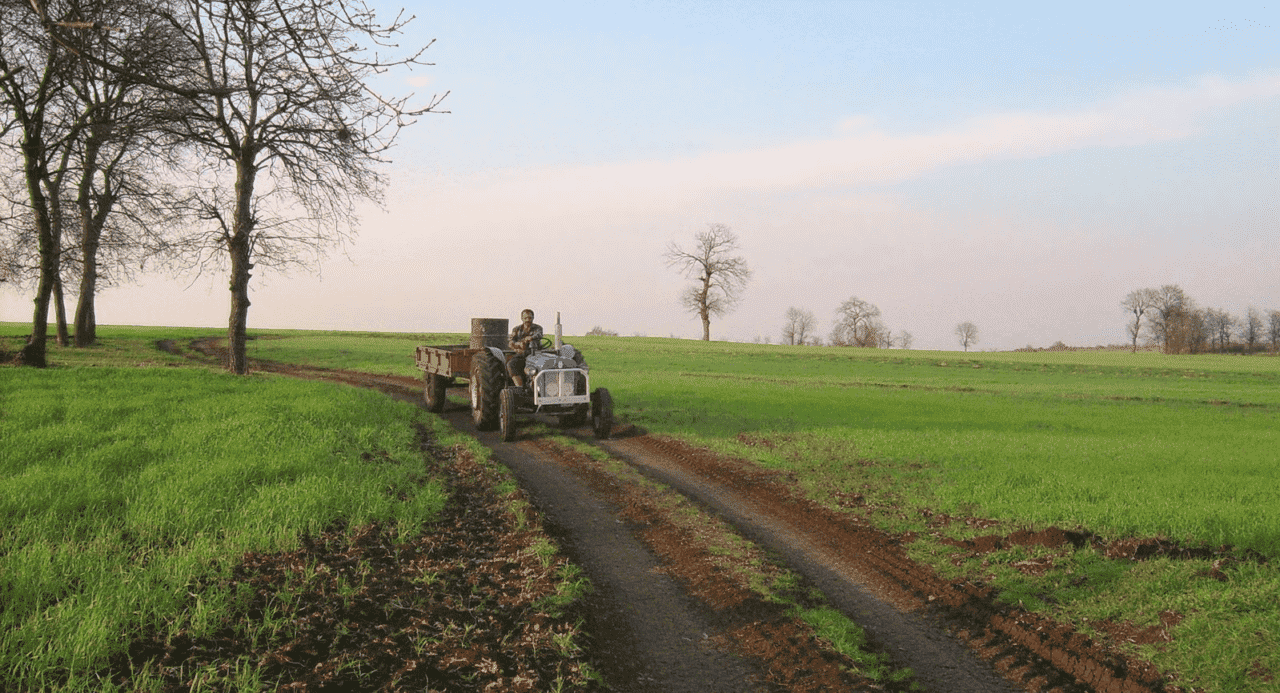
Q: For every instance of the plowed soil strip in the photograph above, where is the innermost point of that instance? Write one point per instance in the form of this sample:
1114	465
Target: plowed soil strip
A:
864	571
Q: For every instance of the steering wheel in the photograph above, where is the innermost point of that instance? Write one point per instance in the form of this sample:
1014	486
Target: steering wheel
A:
545	344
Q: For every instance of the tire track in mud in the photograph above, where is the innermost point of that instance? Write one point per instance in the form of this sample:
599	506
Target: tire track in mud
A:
647	632
955	637
786	649
905	606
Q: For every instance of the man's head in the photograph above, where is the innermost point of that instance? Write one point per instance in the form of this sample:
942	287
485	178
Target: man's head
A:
526	315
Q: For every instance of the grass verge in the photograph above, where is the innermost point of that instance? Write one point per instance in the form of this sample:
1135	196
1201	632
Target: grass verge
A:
122	488
152	520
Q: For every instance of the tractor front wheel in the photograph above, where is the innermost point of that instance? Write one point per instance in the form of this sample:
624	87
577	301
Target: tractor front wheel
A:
507	413
601	413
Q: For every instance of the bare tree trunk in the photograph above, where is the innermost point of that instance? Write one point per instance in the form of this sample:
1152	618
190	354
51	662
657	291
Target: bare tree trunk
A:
86	320
60	311
239	248
33	353
705	313
238	324
90	239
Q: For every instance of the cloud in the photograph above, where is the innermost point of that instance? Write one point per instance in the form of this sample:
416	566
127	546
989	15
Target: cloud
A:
861	154
420	81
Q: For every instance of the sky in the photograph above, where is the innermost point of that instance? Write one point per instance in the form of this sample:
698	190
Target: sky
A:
1015	165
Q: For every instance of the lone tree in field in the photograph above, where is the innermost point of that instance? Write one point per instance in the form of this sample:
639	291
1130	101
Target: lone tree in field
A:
1138	302
858	324
720	275
967	333
798	328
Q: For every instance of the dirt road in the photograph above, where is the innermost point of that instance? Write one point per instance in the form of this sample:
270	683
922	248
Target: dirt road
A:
660	621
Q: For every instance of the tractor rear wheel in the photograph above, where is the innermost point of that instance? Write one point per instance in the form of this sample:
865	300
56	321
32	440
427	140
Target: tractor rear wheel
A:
601	413
433	392
507	413
488	377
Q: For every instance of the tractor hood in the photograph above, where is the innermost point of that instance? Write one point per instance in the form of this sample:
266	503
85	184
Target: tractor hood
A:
565	357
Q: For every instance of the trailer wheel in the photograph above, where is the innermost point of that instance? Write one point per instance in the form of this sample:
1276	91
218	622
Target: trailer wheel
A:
488	376
433	392
601	413
507	413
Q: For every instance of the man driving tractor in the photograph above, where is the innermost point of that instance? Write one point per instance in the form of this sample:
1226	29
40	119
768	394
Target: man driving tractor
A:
524	338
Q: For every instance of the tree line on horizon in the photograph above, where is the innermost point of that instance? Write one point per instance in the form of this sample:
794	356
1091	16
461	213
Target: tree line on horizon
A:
1165	316
189	134
1172	321
720	275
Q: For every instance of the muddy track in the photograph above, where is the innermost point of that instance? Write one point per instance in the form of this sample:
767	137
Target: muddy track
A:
651	632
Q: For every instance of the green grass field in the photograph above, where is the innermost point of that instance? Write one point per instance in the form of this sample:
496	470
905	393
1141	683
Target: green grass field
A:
123	489
1116	443
1121	443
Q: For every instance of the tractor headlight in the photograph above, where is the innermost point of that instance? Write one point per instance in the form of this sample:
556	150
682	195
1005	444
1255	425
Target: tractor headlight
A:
530	371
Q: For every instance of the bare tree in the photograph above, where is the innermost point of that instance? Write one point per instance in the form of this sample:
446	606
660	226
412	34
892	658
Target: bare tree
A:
905	339
1251	329
1138	302
857	324
1168	303
798	327
1273	329
720	275
1185	328
967	333
1220	324
283	131
122	160
72	120
34	69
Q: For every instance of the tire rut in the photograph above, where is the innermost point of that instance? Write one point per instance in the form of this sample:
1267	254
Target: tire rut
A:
905	606
647	632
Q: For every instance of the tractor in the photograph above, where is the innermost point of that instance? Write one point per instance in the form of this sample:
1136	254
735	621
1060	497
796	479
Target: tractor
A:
556	379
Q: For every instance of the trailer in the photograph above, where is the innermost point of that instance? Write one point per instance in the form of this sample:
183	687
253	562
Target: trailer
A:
558	380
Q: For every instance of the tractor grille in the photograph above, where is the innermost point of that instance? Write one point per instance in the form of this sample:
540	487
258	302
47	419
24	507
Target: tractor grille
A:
559	383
